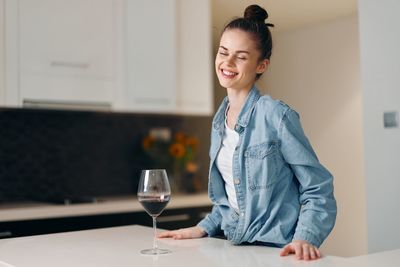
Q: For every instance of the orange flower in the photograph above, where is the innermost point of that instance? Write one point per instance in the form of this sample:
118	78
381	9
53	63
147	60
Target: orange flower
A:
177	150
180	137
147	142
191	166
192	142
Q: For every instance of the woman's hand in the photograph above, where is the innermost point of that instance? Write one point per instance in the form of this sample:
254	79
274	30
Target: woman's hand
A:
184	233
302	249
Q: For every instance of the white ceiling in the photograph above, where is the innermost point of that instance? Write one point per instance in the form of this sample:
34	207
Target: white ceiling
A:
285	14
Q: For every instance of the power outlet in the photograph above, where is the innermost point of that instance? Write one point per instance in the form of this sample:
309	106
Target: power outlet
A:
391	119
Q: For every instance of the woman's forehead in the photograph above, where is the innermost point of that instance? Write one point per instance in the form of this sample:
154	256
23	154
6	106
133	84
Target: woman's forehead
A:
237	40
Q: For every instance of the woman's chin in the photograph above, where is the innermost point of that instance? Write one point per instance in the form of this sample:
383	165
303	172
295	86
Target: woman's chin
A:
225	83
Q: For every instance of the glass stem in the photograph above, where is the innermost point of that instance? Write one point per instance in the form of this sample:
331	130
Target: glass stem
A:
155	233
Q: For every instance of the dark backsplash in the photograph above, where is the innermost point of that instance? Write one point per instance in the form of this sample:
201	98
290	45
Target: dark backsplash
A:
47	155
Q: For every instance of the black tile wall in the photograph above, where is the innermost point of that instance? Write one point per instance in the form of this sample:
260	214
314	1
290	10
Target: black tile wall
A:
48	155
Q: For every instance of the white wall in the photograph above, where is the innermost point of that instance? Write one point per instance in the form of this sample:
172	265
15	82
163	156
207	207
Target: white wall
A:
316	71
380	71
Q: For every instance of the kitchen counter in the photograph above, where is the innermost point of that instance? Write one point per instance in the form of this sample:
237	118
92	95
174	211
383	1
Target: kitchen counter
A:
120	246
31	211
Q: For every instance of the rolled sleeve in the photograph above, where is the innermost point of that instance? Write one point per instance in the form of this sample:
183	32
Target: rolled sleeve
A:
212	222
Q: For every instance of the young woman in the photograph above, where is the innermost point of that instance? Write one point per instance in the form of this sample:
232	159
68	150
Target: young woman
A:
265	181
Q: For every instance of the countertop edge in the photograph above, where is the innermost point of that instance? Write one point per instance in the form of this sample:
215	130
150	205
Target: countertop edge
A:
106	206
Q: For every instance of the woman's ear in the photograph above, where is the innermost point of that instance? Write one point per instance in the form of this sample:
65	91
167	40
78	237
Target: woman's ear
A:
262	66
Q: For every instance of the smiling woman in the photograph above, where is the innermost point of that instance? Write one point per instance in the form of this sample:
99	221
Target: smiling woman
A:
250	57
238	64
266	183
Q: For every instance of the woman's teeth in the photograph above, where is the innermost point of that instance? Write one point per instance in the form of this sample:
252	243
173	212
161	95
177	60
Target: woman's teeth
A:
228	73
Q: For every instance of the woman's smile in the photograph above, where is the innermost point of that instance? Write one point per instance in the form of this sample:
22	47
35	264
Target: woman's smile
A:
228	74
238	60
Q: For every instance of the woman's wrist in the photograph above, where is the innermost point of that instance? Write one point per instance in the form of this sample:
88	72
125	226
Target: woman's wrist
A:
201	231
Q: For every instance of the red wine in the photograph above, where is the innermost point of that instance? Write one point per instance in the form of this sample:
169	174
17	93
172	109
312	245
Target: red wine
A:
154	205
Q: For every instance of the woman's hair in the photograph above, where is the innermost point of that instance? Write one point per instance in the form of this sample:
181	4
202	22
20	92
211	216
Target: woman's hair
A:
253	22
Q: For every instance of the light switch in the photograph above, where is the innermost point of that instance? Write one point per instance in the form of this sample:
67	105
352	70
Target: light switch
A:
391	119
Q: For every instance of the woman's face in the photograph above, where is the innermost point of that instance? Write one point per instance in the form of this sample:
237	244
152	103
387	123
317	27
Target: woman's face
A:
238	60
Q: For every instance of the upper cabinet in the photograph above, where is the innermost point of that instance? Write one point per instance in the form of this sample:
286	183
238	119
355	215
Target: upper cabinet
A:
66	52
123	55
151	55
195	60
167	57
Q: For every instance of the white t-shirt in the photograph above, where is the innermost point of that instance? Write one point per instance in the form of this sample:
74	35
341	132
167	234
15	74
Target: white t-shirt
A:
224	163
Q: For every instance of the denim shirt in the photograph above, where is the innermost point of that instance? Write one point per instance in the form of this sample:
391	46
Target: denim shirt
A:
283	192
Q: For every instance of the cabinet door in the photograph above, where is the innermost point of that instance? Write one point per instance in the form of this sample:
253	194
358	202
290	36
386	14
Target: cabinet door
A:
67	50
195	65
151	55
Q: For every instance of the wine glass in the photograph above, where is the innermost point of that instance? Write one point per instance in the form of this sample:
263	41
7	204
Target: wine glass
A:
154	194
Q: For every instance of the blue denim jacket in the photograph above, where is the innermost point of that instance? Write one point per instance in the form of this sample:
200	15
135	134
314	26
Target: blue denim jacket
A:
283	192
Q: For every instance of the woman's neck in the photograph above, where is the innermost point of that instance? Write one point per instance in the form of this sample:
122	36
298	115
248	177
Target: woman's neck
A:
237	98
236	102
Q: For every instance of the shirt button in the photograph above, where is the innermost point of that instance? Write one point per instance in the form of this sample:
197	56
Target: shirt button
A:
236	181
242	214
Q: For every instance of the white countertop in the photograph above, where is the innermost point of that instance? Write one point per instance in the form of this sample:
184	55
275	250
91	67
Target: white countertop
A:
120	246
30	211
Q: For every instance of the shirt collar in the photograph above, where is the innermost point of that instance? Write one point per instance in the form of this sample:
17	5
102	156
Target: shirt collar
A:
245	113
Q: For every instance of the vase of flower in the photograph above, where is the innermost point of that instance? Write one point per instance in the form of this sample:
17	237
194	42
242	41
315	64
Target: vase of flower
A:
178	156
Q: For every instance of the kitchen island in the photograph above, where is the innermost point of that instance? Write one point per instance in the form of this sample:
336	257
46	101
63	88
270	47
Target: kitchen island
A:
120	246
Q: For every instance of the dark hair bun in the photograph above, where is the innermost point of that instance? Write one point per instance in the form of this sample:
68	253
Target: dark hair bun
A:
255	12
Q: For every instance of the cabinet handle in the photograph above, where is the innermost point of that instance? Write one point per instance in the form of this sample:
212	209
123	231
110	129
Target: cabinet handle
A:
5	234
173	218
152	100
70	64
72	105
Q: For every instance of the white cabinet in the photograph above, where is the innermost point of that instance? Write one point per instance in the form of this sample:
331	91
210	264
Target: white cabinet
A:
150	56
150	31
195	59
66	51
168	53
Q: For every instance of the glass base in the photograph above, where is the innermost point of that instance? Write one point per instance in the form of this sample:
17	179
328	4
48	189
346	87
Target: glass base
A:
155	251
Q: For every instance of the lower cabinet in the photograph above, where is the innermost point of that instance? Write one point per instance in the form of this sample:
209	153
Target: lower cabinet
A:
169	219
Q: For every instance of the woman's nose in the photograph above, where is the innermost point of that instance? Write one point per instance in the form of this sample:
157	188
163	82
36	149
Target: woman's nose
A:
230	61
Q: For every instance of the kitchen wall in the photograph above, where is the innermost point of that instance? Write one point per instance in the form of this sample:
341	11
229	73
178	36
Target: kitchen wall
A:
380	65
316	70
49	155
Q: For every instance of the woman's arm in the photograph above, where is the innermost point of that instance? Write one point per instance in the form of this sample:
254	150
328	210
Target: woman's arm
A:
210	225
184	233
318	213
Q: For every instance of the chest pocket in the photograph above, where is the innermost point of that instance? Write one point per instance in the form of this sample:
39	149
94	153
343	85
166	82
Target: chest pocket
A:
262	165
